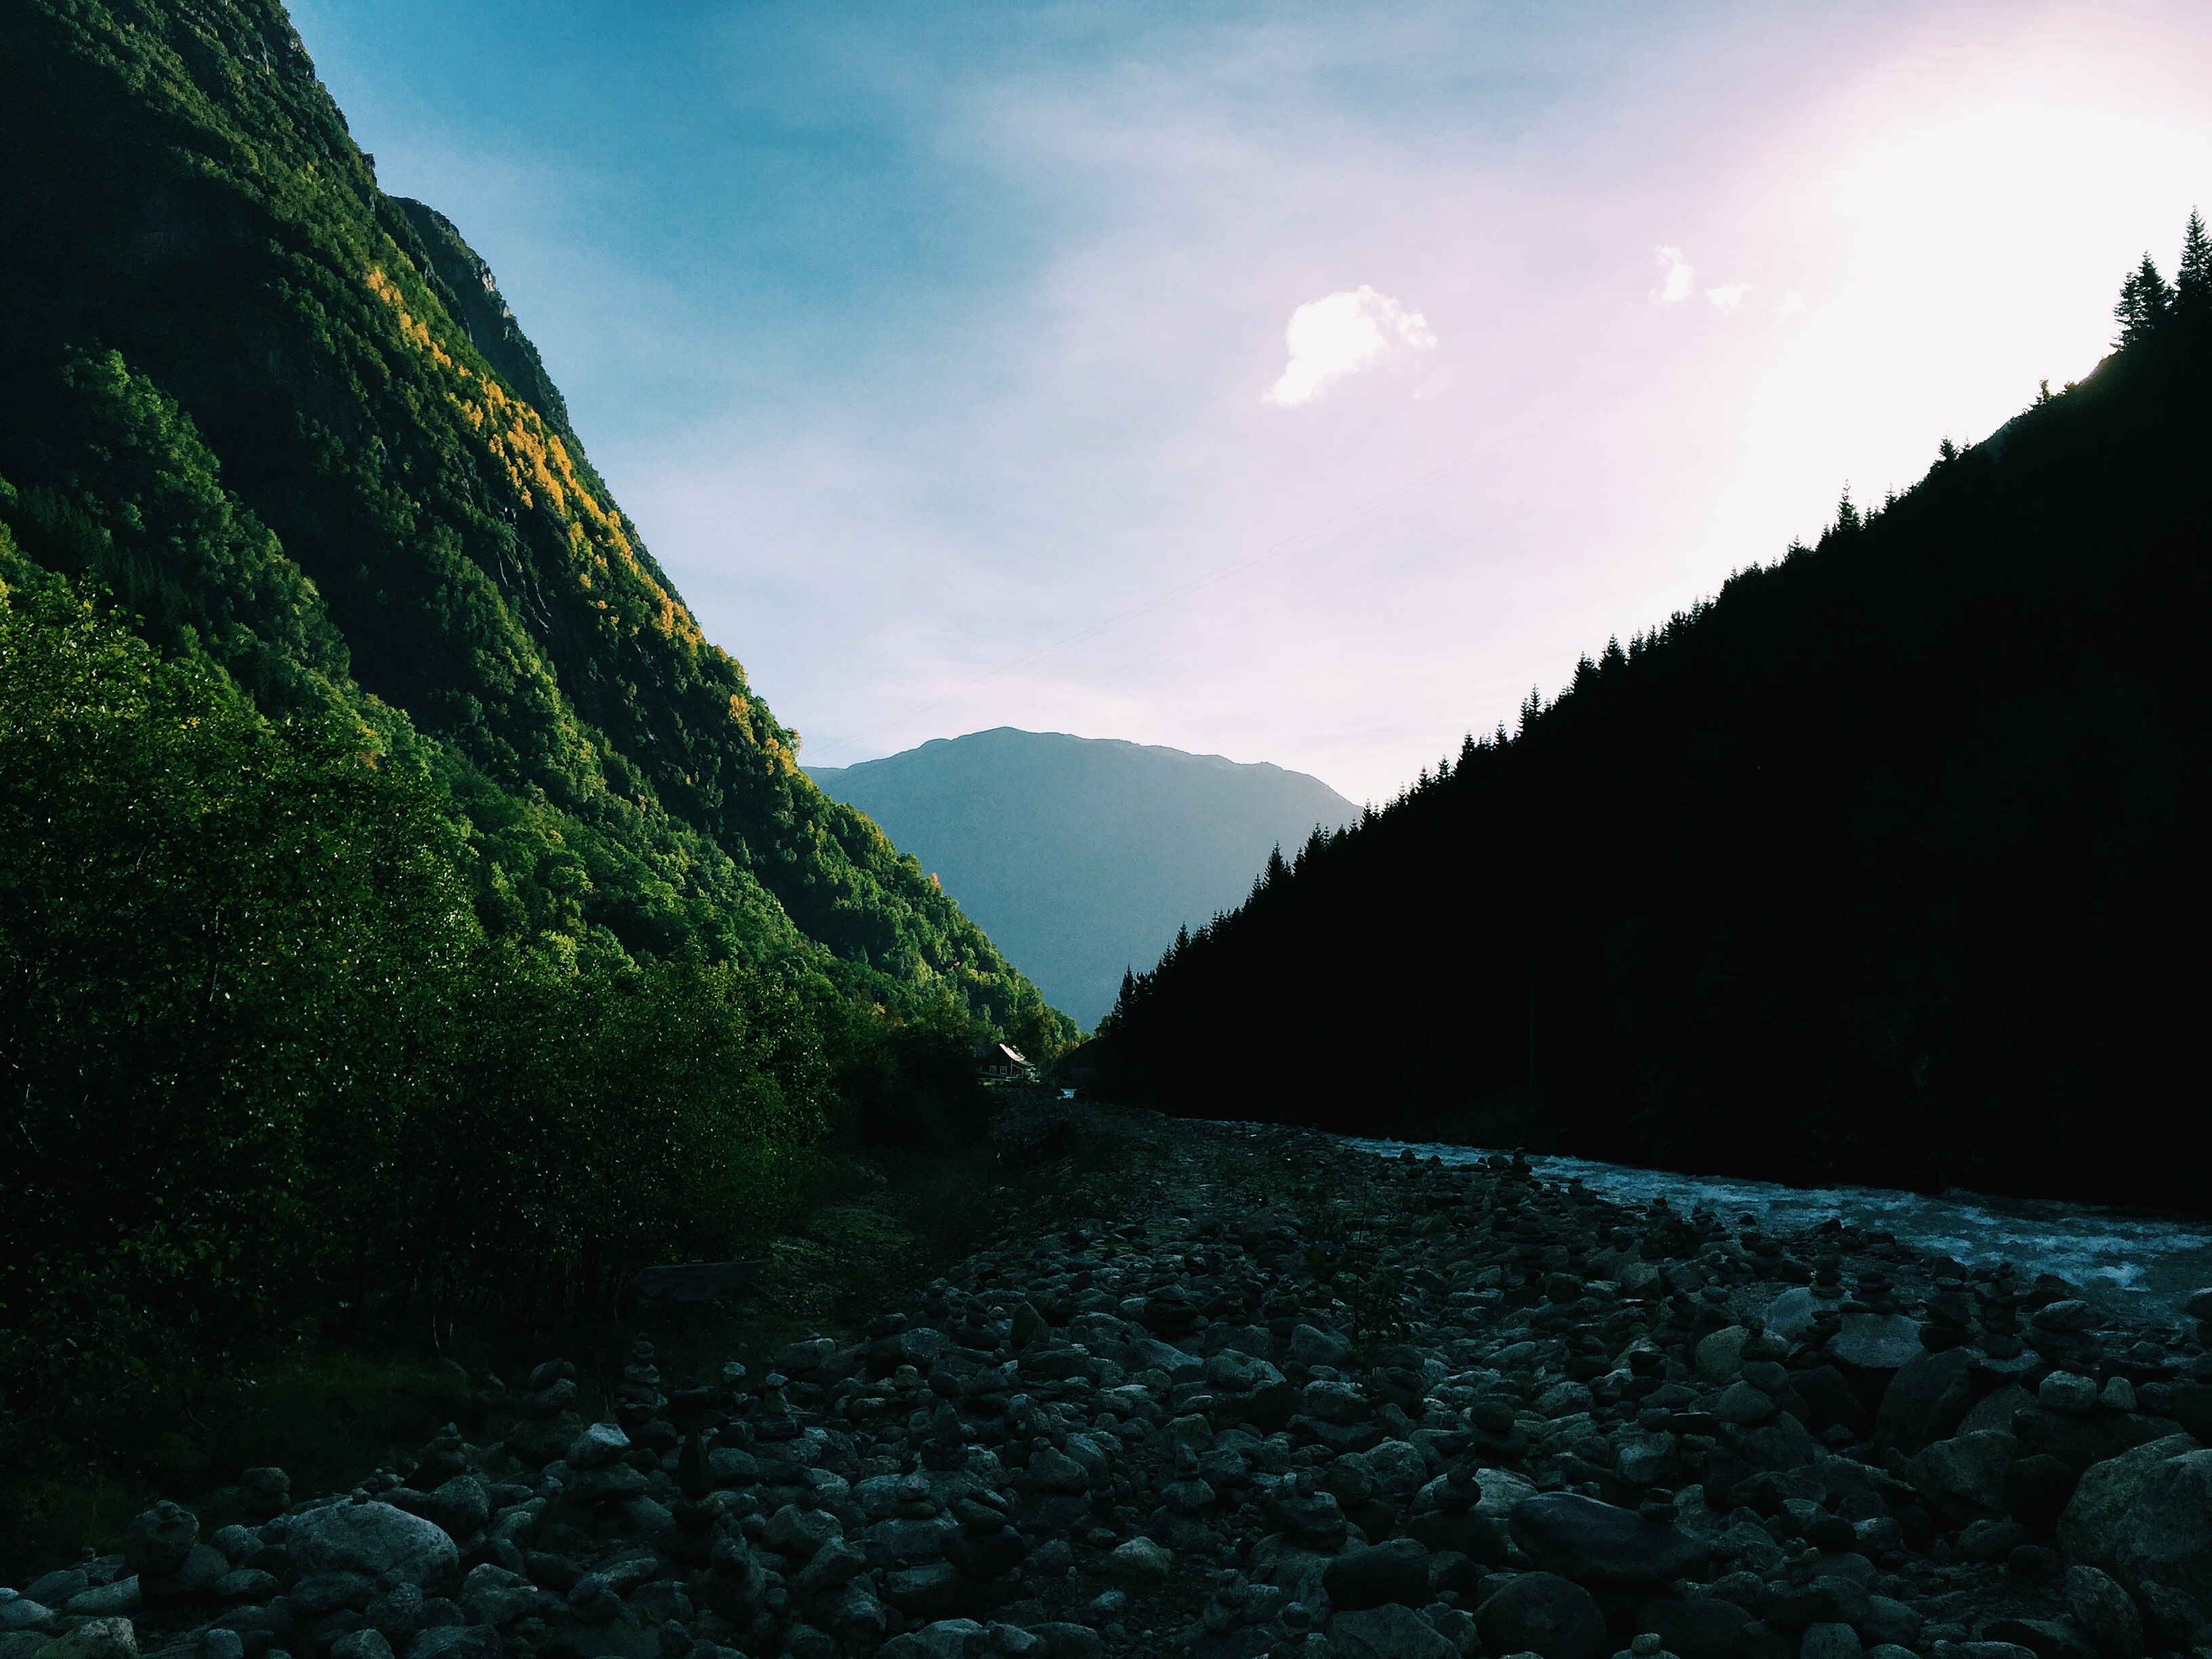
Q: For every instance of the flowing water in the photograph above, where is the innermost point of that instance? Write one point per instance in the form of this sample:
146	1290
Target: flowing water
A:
2141	1264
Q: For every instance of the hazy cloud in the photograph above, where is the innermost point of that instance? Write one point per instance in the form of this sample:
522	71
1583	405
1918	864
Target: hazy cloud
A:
1339	335
1677	276
1728	297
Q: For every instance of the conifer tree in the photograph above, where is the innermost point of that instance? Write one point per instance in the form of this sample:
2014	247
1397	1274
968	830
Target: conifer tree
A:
2145	302
2193	281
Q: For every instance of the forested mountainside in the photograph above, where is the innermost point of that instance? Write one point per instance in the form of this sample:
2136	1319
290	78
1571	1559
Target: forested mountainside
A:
409	923
1082	856
290	419
1886	864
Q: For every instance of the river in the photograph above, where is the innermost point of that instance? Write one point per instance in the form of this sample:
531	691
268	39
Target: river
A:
2143	1265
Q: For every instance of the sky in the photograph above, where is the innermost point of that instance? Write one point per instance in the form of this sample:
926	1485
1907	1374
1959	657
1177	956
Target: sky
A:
1297	383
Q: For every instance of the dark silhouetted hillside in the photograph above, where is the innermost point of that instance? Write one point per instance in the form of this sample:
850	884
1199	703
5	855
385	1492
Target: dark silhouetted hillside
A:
1886	864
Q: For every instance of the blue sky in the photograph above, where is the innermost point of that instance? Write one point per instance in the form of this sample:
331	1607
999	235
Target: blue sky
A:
945	355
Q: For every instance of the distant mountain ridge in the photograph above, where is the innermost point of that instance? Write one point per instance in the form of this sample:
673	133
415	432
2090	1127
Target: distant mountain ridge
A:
1082	856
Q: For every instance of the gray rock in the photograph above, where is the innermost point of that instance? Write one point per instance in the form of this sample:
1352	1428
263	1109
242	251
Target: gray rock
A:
1582	1538
1542	1612
1139	1561
2068	1318
23	1614
1876	1342
460	1505
373	1540
56	1587
2146	1515
1791	1315
1889	1621
120	1599
457	1642
361	1644
1389	1631
1395	1571
1310	1345
2067	1392
157	1541
1720	1355
1829	1642
2102	1607
597	1446
1743	1404
1926	1401
98	1638
1964	1478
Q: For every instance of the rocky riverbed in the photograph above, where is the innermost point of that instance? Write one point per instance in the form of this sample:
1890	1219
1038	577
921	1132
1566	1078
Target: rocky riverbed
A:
1286	1398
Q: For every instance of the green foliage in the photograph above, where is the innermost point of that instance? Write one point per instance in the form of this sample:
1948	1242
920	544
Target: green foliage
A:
1882	865
184	200
268	1074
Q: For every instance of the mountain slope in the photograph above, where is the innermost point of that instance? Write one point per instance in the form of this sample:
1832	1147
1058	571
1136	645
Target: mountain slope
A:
196	247
1082	856
1884	865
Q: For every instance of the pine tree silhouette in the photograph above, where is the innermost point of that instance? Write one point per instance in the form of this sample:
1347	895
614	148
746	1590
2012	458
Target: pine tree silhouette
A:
2145	302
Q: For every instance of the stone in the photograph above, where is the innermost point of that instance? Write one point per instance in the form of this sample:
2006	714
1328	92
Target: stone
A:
1829	1641
99	1639
1744	1405
2047	1638
460	1505
1891	1621
1925	1401
1543	1614
482	1642
157	1541
1590	1541
2067	1394
1310	1345
1390	1632
1646	1459
120	1598
1964	1478
2102	1607
2146	1515
1876	1342
1395	1571
55	1589
371	1539
793	1531
1696	1626
597	1446
1792	1315
1720	1355
2067	1318
361	1644
1139	1561
2174	1620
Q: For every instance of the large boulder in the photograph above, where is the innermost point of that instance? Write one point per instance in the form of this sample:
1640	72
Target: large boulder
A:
1965	1477
1696	1626
157	1542
1542	1612
372	1539
1390	1632
2146	1517
1582	1538
1925	1401
1395	1572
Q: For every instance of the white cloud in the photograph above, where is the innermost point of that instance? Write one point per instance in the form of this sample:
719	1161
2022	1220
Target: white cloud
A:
1792	303
1728	297
1674	285
1339	335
